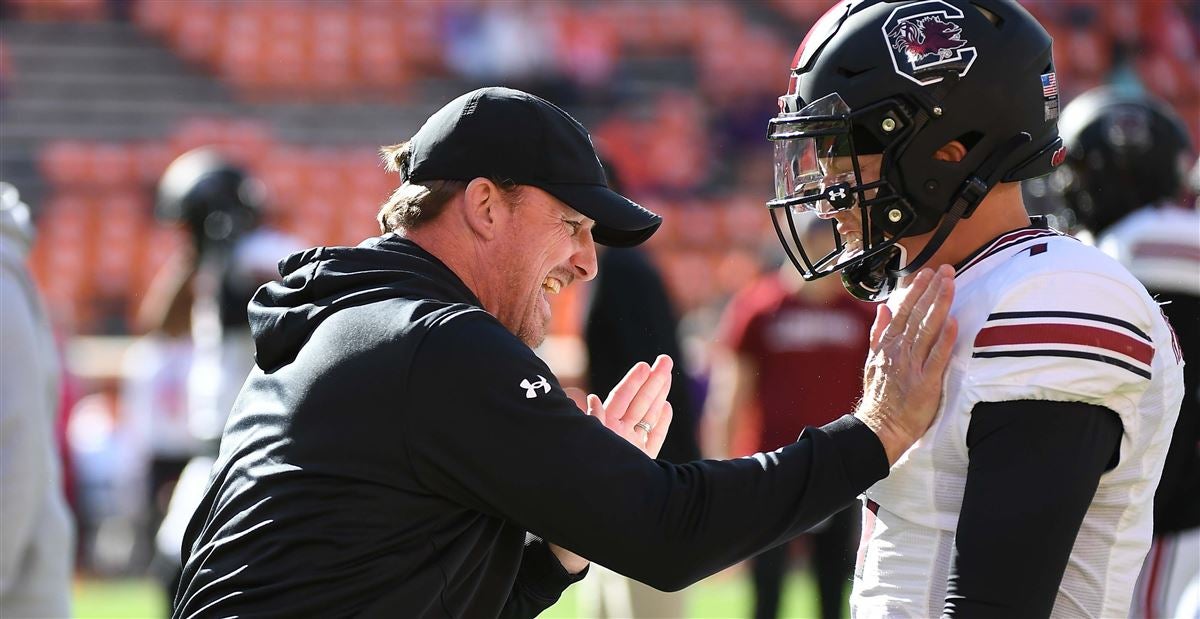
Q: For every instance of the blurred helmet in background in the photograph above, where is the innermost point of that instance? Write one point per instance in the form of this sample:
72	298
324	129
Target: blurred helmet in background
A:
216	200
1124	151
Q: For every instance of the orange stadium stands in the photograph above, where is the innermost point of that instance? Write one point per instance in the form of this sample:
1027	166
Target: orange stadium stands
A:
59	10
107	245
99	218
98	213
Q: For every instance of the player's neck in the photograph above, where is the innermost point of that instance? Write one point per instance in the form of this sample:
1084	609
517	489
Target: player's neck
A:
1001	211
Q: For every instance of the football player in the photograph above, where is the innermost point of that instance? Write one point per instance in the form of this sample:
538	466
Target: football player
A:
1123	182
907	125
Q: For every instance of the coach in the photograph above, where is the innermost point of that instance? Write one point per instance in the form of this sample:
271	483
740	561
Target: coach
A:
398	438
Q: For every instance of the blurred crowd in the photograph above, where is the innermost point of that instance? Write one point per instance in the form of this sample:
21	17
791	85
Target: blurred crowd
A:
677	94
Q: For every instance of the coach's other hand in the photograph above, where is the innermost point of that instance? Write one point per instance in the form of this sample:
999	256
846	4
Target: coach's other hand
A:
902	381
637	409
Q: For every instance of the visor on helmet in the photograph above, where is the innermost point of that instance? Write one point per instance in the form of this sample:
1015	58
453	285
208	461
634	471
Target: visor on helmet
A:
813	163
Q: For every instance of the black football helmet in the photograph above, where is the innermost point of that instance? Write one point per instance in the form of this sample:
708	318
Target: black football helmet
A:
1125	150
216	200
901	79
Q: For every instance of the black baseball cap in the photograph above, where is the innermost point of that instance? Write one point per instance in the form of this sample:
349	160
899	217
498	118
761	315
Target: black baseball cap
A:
506	133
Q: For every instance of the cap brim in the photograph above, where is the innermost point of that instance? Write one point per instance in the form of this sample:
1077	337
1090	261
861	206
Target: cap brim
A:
620	222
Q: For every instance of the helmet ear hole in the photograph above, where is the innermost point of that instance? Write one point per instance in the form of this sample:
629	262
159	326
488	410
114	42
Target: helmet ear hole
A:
970	139
952	152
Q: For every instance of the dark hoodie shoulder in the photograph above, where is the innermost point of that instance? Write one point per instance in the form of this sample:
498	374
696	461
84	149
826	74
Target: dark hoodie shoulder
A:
319	282
314	482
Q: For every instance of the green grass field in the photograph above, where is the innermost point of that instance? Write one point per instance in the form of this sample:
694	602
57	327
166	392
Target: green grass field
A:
725	596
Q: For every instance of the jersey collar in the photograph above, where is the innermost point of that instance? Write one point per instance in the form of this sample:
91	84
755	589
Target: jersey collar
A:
1037	228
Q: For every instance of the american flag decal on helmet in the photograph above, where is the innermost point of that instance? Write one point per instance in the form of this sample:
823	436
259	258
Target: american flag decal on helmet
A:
1049	85
1066	334
1050	95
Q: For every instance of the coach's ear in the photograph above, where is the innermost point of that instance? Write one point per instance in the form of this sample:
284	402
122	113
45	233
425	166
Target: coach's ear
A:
952	151
485	209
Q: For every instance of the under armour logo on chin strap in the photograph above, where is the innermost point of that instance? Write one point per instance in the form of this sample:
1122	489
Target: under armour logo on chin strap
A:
531	388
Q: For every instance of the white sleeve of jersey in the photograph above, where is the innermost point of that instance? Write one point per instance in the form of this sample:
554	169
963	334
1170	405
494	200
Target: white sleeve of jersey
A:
1068	337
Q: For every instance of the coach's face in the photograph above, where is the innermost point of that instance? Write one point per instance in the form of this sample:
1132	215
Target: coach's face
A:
544	248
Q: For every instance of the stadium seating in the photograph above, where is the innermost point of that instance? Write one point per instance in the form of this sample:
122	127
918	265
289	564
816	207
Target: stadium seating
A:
98	214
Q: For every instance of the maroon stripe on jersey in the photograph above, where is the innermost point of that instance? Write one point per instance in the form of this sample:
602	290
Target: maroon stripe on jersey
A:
1070	354
870	515
1080	335
1167	250
1154	572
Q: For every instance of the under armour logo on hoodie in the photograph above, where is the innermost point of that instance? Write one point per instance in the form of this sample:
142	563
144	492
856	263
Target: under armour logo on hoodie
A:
531	388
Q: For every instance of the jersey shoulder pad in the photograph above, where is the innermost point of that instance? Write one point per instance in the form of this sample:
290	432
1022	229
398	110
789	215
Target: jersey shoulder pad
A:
1068	335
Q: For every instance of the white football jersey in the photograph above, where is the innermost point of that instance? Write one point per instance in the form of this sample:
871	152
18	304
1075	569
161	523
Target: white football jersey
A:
1160	246
1041	317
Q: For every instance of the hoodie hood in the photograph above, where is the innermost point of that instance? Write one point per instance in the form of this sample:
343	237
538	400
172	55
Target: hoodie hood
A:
320	281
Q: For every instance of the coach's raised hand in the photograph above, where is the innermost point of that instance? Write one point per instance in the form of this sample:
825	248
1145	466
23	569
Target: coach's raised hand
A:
637	410
902	381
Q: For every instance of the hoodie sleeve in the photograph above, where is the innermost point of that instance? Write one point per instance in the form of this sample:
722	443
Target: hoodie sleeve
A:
493	431
541	580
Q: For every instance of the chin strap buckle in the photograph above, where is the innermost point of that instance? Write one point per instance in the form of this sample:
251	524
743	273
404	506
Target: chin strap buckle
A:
972	193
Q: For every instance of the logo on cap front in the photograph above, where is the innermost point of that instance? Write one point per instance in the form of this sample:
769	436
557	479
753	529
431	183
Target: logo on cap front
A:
925	41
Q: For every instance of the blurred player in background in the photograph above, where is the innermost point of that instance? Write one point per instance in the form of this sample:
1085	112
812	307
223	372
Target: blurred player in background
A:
1124	184
36	534
908	126
782	342
199	350
223	208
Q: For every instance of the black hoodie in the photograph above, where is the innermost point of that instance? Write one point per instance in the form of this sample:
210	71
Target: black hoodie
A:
395	443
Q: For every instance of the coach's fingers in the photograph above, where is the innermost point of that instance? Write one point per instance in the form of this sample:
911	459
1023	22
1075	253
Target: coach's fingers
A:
654	412
883	316
658	434
939	355
904	310
652	393
621	395
595	408
934	320
920	309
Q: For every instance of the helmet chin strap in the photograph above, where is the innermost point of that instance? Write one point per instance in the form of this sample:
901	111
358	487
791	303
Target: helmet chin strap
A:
972	188
972	192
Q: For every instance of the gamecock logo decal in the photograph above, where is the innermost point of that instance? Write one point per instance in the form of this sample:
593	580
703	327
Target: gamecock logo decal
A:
926	42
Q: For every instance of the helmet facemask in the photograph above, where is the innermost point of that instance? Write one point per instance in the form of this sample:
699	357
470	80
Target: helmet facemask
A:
818	174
